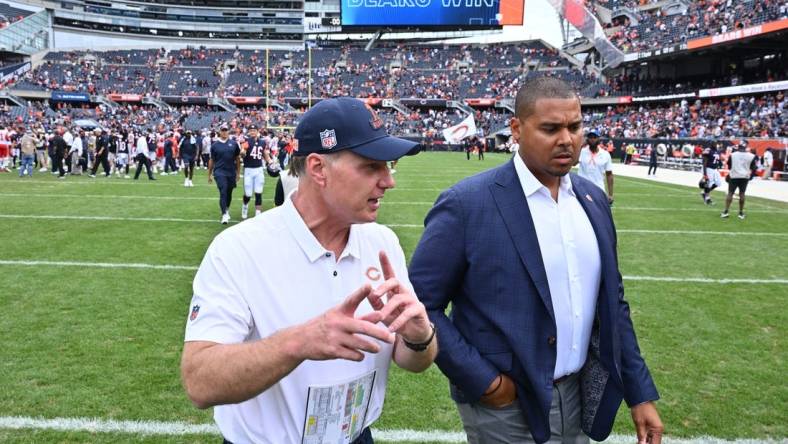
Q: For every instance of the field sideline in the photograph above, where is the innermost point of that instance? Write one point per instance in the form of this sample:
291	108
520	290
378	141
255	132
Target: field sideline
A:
96	281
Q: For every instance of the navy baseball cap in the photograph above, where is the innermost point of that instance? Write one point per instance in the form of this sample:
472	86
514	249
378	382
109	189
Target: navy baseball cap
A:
345	123
592	133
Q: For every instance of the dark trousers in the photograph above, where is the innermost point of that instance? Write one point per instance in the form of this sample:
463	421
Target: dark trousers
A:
104	161
225	185
57	164
205	158
143	160
169	162
652	166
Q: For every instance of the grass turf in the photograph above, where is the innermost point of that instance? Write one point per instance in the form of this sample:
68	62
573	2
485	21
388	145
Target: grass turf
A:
105	343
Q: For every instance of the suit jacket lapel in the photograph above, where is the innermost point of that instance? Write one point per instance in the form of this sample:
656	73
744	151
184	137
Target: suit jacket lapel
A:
510	199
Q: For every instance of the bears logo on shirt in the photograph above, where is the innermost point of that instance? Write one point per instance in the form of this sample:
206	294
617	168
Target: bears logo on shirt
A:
373	274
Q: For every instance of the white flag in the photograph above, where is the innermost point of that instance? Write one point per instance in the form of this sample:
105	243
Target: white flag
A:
464	129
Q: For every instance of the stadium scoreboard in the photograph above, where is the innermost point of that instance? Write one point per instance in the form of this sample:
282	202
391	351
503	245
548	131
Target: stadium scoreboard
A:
431	13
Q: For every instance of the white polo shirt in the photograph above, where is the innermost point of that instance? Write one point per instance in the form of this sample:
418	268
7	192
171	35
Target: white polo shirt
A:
570	254
269	273
594	166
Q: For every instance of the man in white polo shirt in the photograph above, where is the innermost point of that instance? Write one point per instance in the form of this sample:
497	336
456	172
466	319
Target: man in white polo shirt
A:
596	165
301	353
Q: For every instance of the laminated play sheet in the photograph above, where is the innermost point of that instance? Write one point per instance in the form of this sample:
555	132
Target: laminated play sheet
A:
335	414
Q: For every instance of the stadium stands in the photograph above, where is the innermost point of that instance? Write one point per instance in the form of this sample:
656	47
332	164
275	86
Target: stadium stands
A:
392	71
9	14
742	116
654	28
451	72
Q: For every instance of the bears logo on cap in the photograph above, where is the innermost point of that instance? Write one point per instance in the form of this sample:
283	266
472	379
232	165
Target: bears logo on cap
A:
375	122
328	139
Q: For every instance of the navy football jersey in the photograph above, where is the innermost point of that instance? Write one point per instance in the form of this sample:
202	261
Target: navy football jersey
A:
254	154
711	158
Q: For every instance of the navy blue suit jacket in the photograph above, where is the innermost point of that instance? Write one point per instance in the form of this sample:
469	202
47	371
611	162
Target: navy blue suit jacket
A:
480	252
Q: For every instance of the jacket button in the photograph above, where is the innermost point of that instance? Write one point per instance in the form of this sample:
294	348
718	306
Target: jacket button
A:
551	340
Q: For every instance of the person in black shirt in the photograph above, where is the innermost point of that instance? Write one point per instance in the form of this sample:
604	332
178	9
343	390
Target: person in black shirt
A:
102	154
224	167
256	156
188	154
59	150
652	161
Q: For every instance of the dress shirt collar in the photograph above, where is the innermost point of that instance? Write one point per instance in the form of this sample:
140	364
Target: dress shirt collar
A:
531	184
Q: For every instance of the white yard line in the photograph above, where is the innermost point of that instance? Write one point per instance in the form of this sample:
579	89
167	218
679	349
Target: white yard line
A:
103	181
36	263
105	196
107	218
98	425
700	280
666	232
701	232
701	208
214	221
97	265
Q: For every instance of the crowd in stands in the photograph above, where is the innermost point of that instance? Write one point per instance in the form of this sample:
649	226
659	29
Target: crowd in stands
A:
390	71
636	83
654	29
760	116
9	15
763	116
444	72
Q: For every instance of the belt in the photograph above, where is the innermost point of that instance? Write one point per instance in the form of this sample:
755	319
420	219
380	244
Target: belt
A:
563	378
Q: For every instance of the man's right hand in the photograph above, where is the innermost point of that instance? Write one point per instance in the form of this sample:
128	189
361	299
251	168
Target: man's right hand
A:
337	333
501	392
210	180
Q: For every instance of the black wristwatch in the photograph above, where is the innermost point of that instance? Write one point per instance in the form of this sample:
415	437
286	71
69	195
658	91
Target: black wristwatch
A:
421	346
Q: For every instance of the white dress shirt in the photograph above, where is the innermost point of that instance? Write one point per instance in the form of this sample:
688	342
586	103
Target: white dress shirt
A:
142	146
571	260
76	146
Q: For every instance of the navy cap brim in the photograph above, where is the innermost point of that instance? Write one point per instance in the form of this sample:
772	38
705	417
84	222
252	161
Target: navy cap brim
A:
386	148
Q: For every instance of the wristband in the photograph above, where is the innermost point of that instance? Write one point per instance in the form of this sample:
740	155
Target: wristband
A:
421	346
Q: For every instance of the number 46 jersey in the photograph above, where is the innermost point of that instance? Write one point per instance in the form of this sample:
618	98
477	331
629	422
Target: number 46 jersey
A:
254	153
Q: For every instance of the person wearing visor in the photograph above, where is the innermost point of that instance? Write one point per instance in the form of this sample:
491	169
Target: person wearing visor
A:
297	313
224	167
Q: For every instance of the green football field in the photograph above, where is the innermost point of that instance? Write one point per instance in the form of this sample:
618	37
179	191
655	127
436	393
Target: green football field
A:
95	284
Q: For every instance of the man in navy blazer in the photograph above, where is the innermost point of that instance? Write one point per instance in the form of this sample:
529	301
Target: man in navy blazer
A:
539	345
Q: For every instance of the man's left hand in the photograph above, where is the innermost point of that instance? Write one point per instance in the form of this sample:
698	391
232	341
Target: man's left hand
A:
647	423
402	312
